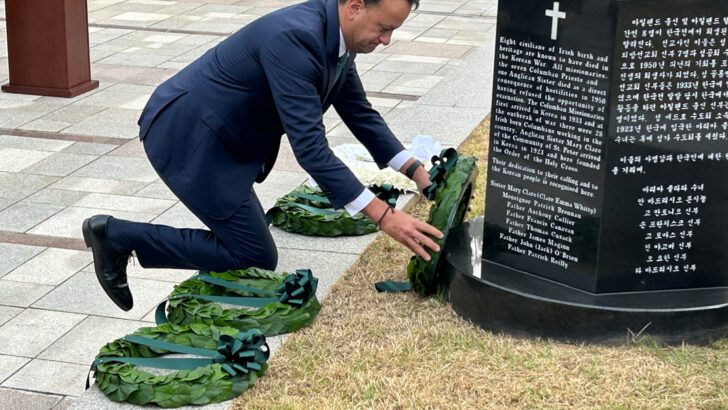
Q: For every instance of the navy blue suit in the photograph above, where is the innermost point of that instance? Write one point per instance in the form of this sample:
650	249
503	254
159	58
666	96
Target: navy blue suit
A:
214	129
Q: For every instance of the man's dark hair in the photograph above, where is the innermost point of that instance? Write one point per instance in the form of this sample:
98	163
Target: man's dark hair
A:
367	3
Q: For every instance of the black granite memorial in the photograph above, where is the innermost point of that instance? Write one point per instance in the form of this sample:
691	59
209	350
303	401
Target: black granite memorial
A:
607	176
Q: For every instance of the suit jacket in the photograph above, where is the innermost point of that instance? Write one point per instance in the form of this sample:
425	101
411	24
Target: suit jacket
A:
214	128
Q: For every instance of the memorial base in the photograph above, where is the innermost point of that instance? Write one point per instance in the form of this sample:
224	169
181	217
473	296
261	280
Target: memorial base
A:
498	298
53	92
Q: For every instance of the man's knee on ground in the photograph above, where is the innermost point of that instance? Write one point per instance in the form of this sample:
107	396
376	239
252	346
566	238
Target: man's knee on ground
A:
265	259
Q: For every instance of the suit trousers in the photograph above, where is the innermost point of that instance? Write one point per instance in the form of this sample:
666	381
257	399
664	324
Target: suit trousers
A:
239	241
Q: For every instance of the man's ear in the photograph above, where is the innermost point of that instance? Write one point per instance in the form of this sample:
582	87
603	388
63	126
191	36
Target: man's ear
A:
354	7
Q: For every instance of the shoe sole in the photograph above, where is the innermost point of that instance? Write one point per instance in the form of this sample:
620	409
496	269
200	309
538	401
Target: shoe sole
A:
86	229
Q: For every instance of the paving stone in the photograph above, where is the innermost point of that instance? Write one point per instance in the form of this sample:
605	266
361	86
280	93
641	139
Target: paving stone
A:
344	244
139	18
134	59
341	131
412	64
156	189
50	376
423	20
132	75
67	223
55	197
398	89
330	123
42	124
408	32
112	122
438	6
73	113
104	186
40	107
418	120
89	148
289	179
21	294
216	26
376	81
465	23
24	400
179	216
7	313
173	65
65	403
23	216
452	94
175	22
14	160
417	81
427	49
270	194
43	327
133	148
135	270
275	342
14	255
115	99
8	366
371	58
326	266
6	202
59	164
83	342
51	267
28	143
119	168
18	186
150	317
15	117
13	96
98	53
83	294
124	203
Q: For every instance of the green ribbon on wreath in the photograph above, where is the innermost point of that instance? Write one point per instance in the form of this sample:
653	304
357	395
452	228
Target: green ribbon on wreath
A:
241	354
296	290
442	165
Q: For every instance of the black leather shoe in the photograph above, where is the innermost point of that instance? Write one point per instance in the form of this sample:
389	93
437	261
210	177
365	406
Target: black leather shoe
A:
109	263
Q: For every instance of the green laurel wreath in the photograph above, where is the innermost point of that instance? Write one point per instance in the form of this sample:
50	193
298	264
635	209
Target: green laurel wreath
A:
239	364
452	179
271	319
307	211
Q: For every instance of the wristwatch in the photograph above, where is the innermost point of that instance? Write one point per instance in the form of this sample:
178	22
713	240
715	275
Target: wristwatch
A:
410	171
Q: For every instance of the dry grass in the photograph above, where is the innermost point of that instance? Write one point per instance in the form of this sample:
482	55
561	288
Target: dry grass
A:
376	350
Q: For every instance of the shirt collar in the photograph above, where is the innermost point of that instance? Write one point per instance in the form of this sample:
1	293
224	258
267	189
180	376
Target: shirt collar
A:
342	43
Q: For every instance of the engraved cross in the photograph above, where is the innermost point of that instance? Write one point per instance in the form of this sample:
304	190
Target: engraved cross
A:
555	15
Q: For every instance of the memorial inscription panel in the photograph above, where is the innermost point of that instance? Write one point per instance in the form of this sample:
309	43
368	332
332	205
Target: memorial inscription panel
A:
608	143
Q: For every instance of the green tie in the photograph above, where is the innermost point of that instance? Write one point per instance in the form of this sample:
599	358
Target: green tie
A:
340	65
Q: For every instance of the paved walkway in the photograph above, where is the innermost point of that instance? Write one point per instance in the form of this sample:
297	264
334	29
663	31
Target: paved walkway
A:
62	160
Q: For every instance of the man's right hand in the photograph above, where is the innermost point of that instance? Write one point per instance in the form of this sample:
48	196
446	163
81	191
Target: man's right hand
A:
403	228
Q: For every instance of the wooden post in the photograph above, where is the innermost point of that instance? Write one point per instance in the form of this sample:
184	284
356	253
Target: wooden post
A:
48	47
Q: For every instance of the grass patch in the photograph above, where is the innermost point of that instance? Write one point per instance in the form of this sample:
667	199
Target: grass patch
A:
368	349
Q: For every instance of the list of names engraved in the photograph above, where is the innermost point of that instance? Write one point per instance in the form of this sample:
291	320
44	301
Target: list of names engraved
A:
547	140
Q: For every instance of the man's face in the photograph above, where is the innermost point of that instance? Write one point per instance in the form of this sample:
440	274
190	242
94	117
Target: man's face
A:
373	25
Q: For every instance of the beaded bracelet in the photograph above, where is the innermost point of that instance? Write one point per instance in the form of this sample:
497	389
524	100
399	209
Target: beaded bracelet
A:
381	218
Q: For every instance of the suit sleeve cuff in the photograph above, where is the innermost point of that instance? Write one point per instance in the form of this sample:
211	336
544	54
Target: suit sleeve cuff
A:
399	160
360	202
